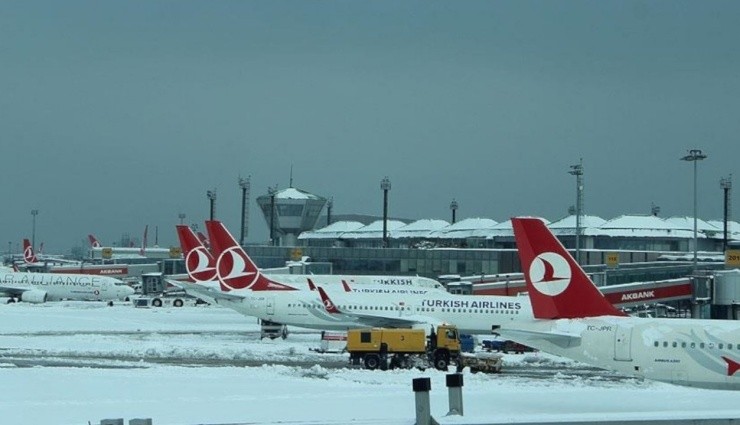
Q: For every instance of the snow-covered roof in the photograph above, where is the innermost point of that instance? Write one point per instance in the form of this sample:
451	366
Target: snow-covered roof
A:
687	223
463	229
640	226
293	193
419	229
373	230
505	229
567	225
733	227
332	231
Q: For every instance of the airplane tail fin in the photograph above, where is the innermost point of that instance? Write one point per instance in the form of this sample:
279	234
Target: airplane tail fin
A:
311	285
346	286
558	287
199	263
204	240
28	255
234	268
94	242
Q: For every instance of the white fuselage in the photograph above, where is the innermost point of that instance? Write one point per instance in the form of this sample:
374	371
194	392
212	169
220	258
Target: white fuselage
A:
470	313
55	286
681	351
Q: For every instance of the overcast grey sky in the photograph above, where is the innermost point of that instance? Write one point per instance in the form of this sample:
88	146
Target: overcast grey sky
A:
114	115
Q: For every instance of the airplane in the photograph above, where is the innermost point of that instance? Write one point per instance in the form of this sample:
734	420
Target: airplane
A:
31	258
97	249
244	289
41	287
573	319
201	265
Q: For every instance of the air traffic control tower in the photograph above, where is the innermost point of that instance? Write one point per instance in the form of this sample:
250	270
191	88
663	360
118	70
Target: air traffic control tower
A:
289	212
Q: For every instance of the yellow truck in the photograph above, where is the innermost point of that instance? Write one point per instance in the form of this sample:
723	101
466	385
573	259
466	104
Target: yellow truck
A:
403	348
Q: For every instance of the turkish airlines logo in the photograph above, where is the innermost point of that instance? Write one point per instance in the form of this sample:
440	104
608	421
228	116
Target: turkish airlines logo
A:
549	273
198	265
28	254
328	304
231	269
96	244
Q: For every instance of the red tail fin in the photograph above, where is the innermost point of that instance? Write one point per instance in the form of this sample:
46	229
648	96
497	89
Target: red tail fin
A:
346	287
328	304
311	286
94	242
204	240
199	263
558	287
234	268
28	255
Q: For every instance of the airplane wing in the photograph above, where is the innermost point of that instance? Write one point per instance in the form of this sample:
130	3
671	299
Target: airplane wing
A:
561	339
205	293
10	291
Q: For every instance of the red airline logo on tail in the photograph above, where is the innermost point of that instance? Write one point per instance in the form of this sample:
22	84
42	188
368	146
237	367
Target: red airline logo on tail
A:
550	273
234	268
94	242
558	287
199	263
28	255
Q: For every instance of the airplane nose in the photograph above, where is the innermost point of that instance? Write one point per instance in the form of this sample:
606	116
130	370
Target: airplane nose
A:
127	291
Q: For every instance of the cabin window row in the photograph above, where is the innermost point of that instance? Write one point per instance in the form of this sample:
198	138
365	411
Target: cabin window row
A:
700	345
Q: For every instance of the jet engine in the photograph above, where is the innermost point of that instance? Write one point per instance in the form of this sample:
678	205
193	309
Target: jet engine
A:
34	296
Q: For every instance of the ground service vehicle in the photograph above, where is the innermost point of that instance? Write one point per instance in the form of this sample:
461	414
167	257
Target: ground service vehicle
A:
483	362
403	348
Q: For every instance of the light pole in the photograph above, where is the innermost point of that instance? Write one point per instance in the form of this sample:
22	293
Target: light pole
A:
726	185
329	206
211	194
577	170
272	191
34	213
694	156
453	207
181	216
385	185
246	186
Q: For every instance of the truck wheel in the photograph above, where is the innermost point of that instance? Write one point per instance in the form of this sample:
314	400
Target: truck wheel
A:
372	361
178	303
441	363
157	302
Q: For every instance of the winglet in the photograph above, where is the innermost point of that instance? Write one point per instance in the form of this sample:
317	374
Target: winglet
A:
328	304
557	286
732	366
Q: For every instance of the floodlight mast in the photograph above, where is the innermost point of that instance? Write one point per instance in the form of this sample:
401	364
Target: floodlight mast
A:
694	156
577	170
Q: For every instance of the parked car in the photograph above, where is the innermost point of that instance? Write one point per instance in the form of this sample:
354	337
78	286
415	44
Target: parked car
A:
506	346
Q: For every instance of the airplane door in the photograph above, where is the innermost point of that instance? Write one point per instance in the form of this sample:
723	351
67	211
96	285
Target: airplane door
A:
270	305
623	344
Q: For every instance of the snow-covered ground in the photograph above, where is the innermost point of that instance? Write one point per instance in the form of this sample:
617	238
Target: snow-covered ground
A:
70	363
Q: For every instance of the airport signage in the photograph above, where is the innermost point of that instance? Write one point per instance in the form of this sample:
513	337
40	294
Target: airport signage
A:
732	258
